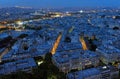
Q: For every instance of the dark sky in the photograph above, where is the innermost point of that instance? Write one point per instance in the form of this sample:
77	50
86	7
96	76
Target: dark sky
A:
60	3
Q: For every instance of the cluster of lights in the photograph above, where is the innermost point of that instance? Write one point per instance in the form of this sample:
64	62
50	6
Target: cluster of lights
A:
19	23
81	11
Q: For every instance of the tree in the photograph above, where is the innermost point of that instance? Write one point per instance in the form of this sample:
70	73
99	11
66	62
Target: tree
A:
67	39
47	70
22	36
18	75
48	58
92	45
115	28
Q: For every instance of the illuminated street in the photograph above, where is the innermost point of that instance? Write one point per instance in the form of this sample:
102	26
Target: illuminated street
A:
46	39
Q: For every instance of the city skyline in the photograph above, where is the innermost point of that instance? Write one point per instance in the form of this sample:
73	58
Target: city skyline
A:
59	4
59	39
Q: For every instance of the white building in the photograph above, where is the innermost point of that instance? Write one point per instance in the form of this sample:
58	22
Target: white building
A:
75	59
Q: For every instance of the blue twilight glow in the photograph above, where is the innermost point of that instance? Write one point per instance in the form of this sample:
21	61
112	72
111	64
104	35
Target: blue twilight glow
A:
60	3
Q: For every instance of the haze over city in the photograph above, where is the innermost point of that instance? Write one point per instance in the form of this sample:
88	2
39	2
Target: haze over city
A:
60	3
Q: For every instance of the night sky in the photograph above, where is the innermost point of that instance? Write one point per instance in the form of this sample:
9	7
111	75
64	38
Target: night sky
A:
60	3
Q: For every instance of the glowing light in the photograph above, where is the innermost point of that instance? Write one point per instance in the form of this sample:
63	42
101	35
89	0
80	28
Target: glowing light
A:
55	46
39	63
113	17
104	67
83	43
81	11
57	15
19	23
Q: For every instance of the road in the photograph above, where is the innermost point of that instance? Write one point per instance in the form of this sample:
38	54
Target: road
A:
3	53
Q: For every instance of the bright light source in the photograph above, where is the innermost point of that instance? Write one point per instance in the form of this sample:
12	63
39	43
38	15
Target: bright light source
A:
57	15
40	62
113	17
104	67
19	23
81	11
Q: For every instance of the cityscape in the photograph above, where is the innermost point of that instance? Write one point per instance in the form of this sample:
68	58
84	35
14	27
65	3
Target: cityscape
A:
59	43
